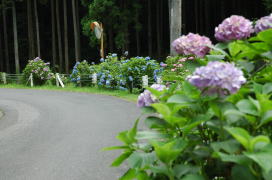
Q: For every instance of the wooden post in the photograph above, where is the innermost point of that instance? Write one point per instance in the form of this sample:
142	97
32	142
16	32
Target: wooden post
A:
4	78
145	81
57	81
94	78
31	80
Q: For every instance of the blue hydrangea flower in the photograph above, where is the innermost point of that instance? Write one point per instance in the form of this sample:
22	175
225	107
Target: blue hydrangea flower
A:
147	58
114	55
107	82
218	77
130	78
102	60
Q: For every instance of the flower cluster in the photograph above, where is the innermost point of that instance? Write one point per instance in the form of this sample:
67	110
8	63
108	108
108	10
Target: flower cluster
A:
263	23
192	44
233	28
146	98
40	70
218	77
81	72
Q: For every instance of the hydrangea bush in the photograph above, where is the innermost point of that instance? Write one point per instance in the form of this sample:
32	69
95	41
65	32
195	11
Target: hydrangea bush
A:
193	134
178	67
133	69
40	71
81	73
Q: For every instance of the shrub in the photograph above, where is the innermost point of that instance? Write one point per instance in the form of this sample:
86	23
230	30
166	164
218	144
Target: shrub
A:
40	70
198	135
81	74
133	69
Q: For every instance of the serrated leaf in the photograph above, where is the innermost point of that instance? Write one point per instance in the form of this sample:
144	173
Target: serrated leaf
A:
246	106
263	159
238	159
267	88
229	146
140	160
259	142
155	122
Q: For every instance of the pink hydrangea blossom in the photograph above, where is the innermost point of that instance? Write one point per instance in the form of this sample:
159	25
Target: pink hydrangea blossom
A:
233	28
192	44
263	23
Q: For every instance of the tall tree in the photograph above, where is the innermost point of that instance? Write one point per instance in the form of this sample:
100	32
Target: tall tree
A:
78	28
1	53
66	45
76	34
53	33
4	6
37	28
175	21
31	44
59	37
149	33
158	27
16	52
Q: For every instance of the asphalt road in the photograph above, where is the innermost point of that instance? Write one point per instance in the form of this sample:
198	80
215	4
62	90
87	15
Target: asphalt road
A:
47	135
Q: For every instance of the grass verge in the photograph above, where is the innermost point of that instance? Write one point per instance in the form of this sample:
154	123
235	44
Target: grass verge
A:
70	88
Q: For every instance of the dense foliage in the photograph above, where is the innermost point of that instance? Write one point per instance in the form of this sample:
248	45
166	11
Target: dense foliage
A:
215	124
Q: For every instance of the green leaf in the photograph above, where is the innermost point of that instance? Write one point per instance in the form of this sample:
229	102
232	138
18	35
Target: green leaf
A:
141	160
239	172
229	146
129	175
248	66
132	133
265	36
182	169
215	57
155	122
168	152
234	48
199	119
259	142
118	161
266	118
161	169
233	115
218	50
151	135
148	110
162	109
193	177
246	106
180	99
263	159
238	159
258	88
240	135
267	88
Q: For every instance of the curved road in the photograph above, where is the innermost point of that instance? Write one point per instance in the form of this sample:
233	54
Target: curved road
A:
47	135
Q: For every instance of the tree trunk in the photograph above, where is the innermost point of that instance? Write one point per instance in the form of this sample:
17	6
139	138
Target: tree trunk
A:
1	53
16	52
66	45
5	36
59	37
77	58
53	33
149	29
158	18
31	47
175	23
78	29
37	28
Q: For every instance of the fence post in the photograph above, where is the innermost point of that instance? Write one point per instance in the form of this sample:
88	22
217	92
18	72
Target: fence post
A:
94	79
159	80
31	80
59	81
145	81
4	78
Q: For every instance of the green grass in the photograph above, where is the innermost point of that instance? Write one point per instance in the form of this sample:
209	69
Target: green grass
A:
70	88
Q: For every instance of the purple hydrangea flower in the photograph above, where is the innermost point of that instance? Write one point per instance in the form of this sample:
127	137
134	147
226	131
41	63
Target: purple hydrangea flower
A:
263	23
37	59
217	77
192	44
233	28
146	98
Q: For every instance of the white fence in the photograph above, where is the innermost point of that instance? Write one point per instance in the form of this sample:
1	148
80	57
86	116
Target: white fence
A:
92	78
